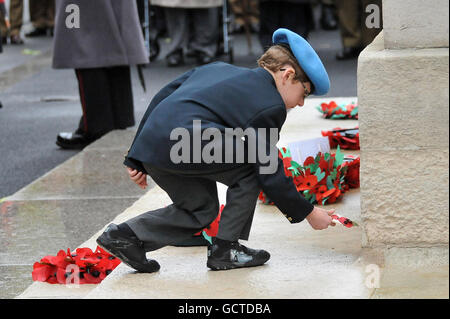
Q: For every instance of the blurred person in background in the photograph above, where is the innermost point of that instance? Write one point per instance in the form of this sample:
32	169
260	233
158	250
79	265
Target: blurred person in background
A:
193	27
355	34
15	23
2	13
42	15
295	15
245	11
328	14
101	48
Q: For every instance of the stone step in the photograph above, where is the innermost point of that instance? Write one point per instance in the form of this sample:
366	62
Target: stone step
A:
304	263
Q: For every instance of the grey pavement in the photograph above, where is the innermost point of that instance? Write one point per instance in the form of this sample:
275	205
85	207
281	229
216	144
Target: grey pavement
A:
53	199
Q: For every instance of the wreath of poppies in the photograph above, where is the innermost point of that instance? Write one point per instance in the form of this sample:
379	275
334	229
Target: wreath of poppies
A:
82	267
334	111
346	138
322	179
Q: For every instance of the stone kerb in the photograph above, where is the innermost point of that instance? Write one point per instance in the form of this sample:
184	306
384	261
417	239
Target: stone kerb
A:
403	116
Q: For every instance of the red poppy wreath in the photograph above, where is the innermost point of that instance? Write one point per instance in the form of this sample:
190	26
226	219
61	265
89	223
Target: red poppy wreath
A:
322	179
346	138
334	111
82	267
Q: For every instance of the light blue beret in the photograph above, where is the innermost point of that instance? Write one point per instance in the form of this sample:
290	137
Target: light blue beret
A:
307	58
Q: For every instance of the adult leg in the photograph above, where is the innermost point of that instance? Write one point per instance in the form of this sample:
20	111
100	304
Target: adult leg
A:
205	33
49	13
178	31
297	17
350	28
16	14
3	28
269	12
95	97
37	13
121	95
97	118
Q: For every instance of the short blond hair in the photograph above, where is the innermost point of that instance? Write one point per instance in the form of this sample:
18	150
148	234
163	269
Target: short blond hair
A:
278	55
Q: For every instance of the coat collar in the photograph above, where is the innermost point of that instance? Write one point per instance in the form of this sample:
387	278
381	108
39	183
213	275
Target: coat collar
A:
266	75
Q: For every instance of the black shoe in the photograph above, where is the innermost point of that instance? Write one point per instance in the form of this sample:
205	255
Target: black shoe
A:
128	249
348	53
234	255
203	58
75	140
4	40
175	59
16	39
328	19
37	32
154	50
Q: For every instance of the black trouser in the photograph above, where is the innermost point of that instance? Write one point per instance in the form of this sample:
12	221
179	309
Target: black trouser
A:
106	99
297	17
196	205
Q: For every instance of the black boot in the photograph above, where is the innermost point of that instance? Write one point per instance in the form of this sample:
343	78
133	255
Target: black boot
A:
175	58
223	255
127	248
203	58
76	140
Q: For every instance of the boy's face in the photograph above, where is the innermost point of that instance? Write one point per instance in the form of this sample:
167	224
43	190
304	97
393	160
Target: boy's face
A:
292	91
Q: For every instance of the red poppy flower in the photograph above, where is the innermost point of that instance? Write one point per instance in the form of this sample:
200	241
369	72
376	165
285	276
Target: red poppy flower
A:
59	260
213	228
344	221
329	108
352	174
320	193
308	161
42	272
307	182
323	164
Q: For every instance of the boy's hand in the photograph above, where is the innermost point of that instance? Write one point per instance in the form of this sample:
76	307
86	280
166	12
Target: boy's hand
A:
320	218
138	177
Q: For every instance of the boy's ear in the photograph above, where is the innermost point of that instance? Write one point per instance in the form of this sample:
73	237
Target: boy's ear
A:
288	74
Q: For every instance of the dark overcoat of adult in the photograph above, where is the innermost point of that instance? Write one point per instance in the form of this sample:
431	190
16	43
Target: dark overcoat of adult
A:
109	34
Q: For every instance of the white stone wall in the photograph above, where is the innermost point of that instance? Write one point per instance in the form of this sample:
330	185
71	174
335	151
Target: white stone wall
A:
415	23
404	116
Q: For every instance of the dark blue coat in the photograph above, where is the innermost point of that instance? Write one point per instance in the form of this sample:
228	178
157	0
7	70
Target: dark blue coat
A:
221	96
